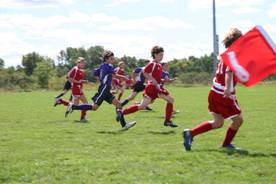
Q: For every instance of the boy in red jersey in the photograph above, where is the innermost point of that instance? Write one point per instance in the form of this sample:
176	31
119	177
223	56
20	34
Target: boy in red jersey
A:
222	102
76	77
153	90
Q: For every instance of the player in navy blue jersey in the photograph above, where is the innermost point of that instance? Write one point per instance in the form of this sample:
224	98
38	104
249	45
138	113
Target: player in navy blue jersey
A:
105	73
166	78
138	86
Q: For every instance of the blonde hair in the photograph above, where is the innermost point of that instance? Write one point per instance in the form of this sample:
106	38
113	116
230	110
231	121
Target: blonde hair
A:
121	63
80	59
231	36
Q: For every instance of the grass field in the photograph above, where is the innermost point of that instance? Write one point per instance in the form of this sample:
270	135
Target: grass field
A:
39	145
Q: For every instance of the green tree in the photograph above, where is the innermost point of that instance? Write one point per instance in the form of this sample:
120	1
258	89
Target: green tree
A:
94	55
43	72
2	63
30	62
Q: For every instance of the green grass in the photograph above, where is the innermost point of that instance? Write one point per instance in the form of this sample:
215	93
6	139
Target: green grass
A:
39	145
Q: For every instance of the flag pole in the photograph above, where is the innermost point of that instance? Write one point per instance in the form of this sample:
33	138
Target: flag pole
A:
215	40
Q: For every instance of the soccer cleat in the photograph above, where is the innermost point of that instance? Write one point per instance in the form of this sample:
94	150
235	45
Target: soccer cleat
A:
188	139
83	120
176	111
170	124
69	109
231	146
129	125
149	109
57	101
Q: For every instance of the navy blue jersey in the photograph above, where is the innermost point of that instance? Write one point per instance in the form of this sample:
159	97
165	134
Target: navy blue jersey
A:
105	73
96	72
165	75
139	74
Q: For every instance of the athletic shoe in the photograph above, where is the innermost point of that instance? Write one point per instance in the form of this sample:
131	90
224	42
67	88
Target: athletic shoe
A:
231	146
170	124
57	101
129	125
69	109
188	139
176	111
149	109
83	120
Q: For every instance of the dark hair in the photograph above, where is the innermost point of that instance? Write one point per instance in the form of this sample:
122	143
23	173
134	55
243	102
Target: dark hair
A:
156	50
231	36
146	61
107	54
163	64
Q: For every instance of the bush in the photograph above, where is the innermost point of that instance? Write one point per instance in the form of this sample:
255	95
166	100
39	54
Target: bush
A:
196	78
56	83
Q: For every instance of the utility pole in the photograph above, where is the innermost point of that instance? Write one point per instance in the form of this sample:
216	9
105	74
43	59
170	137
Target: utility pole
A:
215	40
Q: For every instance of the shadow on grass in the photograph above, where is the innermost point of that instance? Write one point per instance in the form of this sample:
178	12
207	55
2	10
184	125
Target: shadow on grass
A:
162	133
81	122
240	152
112	132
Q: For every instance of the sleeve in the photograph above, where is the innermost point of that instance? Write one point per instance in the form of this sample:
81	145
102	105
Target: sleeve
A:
72	73
137	70
163	76
96	72
149	68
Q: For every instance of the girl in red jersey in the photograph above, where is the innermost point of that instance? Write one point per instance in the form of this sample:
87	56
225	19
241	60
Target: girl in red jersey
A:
222	102
118	84
153	90
76	77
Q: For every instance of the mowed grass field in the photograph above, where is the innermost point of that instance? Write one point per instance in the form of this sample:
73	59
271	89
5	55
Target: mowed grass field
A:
39	145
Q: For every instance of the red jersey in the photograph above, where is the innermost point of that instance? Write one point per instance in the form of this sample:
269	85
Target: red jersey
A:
77	74
219	79
118	71
155	69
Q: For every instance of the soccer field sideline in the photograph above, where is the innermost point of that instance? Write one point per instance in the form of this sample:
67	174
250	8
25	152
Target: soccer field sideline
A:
39	145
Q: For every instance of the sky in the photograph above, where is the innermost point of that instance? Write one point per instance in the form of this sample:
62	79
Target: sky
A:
127	27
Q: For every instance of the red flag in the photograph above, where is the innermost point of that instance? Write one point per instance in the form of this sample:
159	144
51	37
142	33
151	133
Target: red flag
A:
252	57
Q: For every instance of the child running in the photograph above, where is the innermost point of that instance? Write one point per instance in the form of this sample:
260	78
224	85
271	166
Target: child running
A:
222	102
153	90
105	73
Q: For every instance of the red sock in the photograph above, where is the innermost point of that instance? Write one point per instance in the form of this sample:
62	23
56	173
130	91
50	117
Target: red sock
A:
120	95
130	109
83	114
201	128
230	134
64	102
169	110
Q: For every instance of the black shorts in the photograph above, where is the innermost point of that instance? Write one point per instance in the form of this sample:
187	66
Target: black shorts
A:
103	94
138	87
67	86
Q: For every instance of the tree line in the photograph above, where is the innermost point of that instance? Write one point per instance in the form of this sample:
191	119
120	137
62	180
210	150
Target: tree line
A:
41	72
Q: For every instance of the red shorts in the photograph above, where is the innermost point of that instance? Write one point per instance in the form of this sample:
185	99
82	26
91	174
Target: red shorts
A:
117	83
152	92
227	107
77	90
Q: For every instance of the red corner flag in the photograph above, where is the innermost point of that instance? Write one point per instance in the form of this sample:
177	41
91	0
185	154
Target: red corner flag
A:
252	57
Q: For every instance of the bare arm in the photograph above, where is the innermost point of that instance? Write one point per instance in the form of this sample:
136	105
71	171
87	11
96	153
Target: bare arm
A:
228	81
150	78
134	75
121	77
